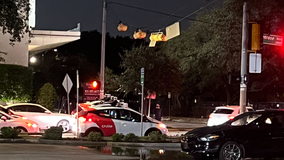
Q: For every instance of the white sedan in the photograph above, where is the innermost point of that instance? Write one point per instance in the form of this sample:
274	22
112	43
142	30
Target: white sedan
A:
23	124
44	117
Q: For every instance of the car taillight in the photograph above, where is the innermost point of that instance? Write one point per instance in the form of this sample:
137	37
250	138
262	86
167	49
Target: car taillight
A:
90	119
210	116
231	117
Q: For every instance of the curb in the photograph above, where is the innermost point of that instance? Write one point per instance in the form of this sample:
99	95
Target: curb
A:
88	143
131	144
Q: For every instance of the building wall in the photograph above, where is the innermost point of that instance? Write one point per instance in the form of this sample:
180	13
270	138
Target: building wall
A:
16	54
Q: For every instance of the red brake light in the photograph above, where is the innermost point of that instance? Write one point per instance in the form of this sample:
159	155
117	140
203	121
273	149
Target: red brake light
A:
210	116
231	117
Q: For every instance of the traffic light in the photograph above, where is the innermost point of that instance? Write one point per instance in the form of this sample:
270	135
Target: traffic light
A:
121	27
95	85
139	34
158	36
255	37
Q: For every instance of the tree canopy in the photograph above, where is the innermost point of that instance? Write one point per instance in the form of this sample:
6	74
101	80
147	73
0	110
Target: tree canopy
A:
14	18
208	54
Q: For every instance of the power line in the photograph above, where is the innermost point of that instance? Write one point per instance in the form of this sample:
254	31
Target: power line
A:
119	18
148	10
198	10
169	15
165	17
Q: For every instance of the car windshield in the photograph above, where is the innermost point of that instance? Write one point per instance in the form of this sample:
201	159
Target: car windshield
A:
243	119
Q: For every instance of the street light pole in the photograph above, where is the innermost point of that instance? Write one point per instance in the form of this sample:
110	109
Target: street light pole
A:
243	86
102	71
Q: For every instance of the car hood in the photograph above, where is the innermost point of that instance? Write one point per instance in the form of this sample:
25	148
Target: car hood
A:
207	130
154	120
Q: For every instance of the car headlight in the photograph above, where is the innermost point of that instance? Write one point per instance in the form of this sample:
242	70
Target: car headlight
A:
209	137
161	125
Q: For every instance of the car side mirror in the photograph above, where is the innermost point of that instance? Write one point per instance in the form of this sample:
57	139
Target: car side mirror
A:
47	112
4	118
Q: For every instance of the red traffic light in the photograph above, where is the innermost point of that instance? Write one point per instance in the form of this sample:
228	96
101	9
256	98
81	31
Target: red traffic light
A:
95	84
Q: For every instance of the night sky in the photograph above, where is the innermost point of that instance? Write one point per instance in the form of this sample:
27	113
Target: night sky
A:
65	14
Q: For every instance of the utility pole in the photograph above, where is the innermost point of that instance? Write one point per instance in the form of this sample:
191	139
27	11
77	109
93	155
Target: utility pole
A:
243	86
102	72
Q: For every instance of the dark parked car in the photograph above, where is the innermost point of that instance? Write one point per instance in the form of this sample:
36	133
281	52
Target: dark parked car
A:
251	134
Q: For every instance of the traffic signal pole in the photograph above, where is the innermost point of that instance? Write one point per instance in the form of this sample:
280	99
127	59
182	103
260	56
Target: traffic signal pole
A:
102	71
244	55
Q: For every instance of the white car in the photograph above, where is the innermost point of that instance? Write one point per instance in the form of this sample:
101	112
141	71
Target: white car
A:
222	114
41	115
109	120
23	124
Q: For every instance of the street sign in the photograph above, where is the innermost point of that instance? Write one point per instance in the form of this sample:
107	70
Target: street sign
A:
255	63
152	44
173	30
67	83
89	93
142	76
272	40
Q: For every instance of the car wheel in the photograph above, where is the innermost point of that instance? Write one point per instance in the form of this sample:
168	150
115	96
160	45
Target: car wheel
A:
230	151
64	124
93	130
152	130
22	129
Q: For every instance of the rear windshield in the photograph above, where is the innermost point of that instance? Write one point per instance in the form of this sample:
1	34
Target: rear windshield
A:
223	111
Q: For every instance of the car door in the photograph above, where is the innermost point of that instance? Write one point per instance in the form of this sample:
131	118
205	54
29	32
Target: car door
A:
129	122
35	113
273	126
105	122
266	137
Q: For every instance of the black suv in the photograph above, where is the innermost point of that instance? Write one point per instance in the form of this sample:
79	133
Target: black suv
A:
251	134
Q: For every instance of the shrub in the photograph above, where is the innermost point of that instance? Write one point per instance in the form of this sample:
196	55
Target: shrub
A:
95	136
54	133
131	137
47	96
16	83
118	137
9	132
156	136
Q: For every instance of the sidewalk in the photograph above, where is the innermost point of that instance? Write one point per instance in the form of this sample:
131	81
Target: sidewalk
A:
185	119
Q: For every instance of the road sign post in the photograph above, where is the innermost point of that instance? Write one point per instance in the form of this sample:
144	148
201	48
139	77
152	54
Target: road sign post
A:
142	98
67	84
77	105
169	96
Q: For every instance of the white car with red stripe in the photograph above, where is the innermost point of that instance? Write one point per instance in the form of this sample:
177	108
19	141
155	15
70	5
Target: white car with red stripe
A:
22	123
109	120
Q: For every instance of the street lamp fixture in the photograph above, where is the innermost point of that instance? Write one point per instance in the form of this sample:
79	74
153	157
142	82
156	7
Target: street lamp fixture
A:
32	59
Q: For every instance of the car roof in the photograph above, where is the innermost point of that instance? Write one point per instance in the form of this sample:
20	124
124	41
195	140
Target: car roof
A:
88	107
230	107
19	104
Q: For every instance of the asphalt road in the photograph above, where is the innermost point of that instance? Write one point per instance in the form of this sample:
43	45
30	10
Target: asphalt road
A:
16	151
